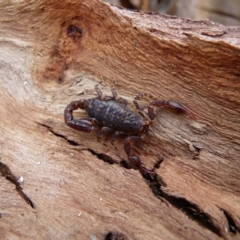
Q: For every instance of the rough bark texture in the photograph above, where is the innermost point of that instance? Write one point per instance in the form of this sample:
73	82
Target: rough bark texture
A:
79	186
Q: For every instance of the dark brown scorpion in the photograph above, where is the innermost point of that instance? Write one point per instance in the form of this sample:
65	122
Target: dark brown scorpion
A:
113	116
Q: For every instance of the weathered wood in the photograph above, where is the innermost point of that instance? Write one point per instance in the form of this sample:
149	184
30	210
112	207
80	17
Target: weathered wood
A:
80	187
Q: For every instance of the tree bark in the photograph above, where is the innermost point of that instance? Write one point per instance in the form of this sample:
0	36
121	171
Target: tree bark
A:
54	52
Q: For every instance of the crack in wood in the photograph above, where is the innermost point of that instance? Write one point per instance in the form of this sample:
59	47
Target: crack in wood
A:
115	236
102	156
231	224
158	162
6	172
188	208
191	209
49	128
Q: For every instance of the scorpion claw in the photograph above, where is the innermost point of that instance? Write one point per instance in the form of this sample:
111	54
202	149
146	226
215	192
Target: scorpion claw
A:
80	125
168	104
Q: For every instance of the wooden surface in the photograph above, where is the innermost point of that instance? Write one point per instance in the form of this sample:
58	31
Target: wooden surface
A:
81	188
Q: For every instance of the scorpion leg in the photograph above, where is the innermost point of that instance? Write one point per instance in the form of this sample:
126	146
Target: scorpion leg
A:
99	92
114	93
117	134
100	95
169	104
136	104
108	98
105	131
141	96
85	125
115	97
134	160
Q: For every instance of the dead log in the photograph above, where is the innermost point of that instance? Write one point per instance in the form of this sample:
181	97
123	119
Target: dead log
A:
81	188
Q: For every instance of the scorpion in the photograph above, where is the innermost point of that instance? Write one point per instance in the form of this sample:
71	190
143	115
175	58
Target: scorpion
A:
113	116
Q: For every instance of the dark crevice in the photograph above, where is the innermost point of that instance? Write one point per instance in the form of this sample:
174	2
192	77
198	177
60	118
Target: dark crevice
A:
125	164
71	142
102	156
193	212
115	236
190	209
6	172
158	163
156	188
155	183
232	226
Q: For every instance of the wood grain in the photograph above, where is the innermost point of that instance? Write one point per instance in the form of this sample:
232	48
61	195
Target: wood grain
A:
81	188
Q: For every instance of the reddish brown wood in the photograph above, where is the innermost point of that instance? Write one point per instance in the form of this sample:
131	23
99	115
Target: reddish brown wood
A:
67	174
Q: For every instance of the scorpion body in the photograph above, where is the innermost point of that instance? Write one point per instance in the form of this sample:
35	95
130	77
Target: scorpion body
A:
114	117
